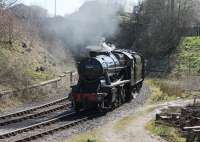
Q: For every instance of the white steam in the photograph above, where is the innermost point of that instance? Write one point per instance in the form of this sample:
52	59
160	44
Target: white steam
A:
87	26
102	47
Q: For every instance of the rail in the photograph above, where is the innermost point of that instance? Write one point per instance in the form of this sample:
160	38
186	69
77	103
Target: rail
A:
30	110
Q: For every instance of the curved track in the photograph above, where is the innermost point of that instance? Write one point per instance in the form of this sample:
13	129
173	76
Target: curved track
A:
36	114
57	128
59	123
33	127
50	113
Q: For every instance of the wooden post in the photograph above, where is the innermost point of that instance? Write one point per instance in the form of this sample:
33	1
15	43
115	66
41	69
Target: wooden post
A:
198	30
56	84
10	31
190	137
71	78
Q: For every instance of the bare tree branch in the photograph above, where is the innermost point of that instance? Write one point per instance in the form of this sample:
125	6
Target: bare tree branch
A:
7	3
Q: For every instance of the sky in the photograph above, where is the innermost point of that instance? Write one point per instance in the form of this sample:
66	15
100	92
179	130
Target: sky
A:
66	6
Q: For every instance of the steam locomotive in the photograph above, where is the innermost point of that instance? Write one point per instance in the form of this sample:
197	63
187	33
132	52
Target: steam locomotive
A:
107	79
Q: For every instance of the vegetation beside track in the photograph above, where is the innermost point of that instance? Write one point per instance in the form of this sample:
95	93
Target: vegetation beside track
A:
16	101
20	64
123	123
188	56
92	136
164	89
167	132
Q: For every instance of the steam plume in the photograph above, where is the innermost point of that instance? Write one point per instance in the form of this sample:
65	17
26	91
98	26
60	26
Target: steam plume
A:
88	25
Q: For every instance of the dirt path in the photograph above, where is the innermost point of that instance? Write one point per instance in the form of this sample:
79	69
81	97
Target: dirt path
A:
132	128
134	132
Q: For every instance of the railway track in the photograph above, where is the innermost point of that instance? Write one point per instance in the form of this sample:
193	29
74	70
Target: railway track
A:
58	122
34	112
55	122
48	127
52	130
30	110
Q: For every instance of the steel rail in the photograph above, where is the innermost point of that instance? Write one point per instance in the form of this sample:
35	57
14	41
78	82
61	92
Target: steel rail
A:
31	116
51	131
28	111
33	127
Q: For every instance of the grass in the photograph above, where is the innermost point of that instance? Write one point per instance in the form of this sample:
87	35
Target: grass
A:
189	56
9	103
167	132
11	59
23	65
91	136
17	70
165	90
21	98
123	123
14	50
38	76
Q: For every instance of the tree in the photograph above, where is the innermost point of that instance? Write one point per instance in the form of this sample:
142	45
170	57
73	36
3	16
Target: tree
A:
7	3
6	27
197	11
163	23
6	20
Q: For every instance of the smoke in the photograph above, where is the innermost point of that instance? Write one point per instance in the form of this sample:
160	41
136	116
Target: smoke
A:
87	26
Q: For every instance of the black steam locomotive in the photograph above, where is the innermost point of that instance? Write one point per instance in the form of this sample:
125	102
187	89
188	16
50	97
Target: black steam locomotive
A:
107	79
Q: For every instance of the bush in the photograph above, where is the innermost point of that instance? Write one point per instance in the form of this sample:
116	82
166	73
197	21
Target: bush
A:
189	56
170	88
165	90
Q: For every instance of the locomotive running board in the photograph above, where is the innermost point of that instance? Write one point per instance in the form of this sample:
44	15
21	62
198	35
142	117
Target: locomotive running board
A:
117	83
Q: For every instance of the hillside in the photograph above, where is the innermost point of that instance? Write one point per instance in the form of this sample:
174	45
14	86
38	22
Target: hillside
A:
28	53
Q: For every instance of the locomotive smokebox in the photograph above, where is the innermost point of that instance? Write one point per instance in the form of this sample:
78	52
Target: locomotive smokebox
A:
90	69
101	61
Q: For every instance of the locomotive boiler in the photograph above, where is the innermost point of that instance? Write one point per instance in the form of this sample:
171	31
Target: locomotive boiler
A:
108	78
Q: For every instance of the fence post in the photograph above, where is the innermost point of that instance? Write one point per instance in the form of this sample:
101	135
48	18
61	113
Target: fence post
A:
56	84
62	79
71	78
189	74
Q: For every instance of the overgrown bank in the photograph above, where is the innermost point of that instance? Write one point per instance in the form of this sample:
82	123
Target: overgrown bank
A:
29	51
183	81
29	54
188	56
167	132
